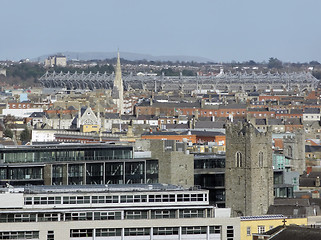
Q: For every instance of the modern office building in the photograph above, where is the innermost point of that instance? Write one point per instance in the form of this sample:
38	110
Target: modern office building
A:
101	212
209	173
73	164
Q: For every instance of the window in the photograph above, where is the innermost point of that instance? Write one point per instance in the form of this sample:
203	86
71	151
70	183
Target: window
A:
78	216
162	214
261	159
191	213
81	233
289	151
50	235
135	214
165	231
238	159
295	181
261	229
137	231
108	232
194	230
107	215
20	235
230	233
215	229
248	231
48	217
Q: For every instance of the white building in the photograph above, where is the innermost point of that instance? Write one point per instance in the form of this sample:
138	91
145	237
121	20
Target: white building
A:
104	212
311	114
59	61
21	113
43	135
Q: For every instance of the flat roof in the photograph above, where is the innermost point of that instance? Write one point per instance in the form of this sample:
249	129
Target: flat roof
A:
63	146
97	188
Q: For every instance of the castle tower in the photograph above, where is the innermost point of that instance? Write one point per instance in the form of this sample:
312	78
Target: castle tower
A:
248	170
118	89
294	150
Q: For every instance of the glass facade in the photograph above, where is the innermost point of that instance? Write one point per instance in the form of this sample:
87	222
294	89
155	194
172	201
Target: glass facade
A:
75	164
279	161
210	174
56	154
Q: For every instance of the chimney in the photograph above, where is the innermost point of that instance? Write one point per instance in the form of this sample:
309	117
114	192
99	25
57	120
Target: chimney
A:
196	114
317	181
202	103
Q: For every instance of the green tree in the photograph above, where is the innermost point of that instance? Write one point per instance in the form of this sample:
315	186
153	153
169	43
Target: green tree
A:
317	74
314	63
8	133
186	72
274	63
25	135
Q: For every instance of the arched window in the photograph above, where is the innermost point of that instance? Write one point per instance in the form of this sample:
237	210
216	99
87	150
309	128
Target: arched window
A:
260	159
290	151
238	159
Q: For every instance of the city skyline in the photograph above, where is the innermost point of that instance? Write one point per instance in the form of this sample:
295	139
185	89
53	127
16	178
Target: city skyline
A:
218	30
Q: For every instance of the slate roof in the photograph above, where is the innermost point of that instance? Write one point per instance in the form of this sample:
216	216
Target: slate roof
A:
312	110
293	232
292	121
287	210
209	124
260	121
309	148
37	114
258	110
291	201
177	126
233	106
296	111
275	121
160	134
71	108
205	133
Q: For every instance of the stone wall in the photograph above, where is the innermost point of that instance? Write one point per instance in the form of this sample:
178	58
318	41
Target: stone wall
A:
249	181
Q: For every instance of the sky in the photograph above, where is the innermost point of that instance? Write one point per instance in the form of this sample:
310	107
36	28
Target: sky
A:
221	30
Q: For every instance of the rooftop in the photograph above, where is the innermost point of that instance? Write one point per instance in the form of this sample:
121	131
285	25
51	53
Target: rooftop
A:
95	188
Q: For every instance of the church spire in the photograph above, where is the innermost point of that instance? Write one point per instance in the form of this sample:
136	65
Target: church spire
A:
118	88
118	70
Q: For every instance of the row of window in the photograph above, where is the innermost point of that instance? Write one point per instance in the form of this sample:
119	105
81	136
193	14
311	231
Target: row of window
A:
108	232
105	215
115	199
260	229
65	155
20	235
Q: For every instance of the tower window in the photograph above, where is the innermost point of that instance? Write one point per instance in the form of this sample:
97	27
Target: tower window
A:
289	151
238	159
260	159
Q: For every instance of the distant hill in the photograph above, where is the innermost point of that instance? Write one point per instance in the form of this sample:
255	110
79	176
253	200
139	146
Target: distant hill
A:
85	56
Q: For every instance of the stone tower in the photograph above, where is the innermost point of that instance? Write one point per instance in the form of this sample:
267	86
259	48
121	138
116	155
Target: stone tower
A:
118	89
294	150
248	170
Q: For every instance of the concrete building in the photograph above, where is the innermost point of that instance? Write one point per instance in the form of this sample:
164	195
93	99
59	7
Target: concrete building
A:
176	165
249	172
57	60
116	212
